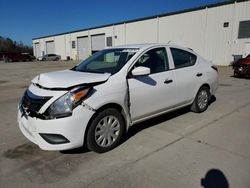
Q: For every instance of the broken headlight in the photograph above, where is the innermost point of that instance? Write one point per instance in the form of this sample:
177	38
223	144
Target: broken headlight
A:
64	105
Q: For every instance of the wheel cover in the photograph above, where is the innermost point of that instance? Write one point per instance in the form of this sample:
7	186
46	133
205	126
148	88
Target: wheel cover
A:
202	99
107	131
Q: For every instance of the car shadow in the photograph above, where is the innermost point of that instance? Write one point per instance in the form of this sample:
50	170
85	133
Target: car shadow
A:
241	77
159	119
135	129
79	150
212	100
146	80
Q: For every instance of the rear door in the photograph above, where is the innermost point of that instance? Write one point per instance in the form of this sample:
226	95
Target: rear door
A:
153	93
187	74
50	57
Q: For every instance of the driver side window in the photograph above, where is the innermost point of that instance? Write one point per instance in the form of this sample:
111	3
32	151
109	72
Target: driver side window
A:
155	59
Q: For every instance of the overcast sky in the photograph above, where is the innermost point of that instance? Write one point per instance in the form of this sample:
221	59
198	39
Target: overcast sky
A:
23	20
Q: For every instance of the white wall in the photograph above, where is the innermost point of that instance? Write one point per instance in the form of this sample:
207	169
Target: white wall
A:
60	46
201	30
73	37
141	32
68	45
241	13
218	38
119	32
186	29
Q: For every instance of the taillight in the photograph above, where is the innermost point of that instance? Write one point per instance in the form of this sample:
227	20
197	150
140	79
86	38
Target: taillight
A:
215	68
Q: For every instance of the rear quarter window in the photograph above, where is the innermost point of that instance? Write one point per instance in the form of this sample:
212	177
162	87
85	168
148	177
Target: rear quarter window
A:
182	58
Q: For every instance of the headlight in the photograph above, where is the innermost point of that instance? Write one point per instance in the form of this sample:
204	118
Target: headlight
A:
64	106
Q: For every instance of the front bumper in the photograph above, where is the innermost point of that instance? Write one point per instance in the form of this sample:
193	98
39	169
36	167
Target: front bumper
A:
242	70
72	128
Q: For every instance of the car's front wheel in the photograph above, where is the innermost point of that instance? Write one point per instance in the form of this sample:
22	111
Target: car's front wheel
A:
201	100
105	131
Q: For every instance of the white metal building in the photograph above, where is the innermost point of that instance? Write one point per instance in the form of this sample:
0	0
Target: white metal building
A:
218	32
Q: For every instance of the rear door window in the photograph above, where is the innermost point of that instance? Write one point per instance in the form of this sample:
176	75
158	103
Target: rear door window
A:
182	58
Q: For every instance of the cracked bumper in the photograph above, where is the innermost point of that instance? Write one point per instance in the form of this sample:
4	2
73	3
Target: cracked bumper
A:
72	128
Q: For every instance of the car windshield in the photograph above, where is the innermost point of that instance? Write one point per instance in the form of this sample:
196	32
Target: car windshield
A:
248	57
106	61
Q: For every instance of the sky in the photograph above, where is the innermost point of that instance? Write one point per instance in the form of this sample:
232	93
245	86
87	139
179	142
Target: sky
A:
22	20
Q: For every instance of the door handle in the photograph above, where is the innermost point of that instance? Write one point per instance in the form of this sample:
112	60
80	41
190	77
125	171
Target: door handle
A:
167	81
199	74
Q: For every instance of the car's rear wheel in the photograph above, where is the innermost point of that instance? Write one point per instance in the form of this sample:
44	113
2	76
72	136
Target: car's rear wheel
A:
236	74
105	131
201	100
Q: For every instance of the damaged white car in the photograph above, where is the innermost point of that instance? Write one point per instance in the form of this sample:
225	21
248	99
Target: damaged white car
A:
97	101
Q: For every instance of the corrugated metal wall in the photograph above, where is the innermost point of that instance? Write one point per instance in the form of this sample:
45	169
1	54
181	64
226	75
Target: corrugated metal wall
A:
202	30
50	47
82	47
37	50
97	42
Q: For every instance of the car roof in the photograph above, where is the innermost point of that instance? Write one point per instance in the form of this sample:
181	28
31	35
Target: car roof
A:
151	45
147	45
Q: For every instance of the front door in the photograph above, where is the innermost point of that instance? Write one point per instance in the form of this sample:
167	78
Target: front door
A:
154	93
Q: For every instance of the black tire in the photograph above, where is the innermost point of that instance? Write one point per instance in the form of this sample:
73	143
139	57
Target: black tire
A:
196	106
91	132
236	74
57	59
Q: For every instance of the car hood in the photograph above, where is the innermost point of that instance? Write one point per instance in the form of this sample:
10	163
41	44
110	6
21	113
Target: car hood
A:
68	78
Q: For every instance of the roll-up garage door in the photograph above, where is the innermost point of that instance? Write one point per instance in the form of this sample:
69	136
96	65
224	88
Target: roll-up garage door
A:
97	42
50	47
37	50
82	47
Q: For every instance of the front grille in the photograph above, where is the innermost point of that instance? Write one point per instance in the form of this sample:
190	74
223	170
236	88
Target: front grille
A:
33	103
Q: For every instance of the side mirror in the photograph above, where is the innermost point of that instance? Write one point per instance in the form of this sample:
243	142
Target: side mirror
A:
140	71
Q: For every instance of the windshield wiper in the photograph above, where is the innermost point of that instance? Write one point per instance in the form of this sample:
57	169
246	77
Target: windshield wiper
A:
88	71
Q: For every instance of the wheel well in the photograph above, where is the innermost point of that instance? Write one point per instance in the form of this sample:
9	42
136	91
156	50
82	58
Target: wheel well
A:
208	86
106	106
110	105
205	85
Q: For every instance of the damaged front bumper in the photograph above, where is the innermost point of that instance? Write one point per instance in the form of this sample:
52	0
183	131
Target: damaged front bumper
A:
56	134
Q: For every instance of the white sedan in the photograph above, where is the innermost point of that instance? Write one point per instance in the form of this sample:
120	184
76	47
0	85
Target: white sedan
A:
98	100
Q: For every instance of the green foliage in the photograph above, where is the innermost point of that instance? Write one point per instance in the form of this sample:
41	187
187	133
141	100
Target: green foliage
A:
8	45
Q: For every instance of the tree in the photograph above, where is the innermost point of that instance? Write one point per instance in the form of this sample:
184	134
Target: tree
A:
8	45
